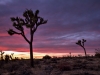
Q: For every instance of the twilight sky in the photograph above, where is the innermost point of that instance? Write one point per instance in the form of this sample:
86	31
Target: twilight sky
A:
68	22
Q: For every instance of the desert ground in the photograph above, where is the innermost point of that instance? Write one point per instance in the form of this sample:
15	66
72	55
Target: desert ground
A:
53	66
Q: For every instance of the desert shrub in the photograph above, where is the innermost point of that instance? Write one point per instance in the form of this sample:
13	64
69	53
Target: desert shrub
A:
11	66
47	62
7	58
78	61
13	73
97	53
54	60
80	64
91	67
86	73
99	67
64	66
1	63
26	72
90	59
36	61
46	57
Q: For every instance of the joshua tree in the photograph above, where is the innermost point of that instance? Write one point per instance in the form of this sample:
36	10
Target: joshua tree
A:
7	58
81	43
70	54
2	54
11	56
31	21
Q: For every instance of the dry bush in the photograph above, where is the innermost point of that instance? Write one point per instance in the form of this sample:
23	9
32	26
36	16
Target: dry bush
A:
65	66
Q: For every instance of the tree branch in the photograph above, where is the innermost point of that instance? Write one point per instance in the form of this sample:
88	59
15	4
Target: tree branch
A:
25	37
12	32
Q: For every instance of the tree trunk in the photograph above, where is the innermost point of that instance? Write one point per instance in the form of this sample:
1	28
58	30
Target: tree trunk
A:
85	52
31	55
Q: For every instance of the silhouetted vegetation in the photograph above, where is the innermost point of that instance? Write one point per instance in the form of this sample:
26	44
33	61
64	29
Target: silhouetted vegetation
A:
97	53
2	54
11	56
52	66
46	57
81	43
7	58
31	21
70	54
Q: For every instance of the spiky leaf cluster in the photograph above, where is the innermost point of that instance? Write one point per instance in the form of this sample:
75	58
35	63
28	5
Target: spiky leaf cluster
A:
31	20
2	52
81	42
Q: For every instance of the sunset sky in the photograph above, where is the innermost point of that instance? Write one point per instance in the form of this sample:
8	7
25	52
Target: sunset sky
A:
68	22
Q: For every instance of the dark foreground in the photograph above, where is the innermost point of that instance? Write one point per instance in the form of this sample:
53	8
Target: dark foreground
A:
54	66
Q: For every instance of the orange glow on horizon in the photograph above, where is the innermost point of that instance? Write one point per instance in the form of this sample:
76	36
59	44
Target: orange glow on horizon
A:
37	55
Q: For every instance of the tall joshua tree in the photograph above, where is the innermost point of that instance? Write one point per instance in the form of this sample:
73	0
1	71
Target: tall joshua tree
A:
31	21
81	43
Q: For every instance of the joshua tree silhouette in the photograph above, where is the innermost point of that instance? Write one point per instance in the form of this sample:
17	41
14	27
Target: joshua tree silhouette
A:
31	21
11	56
70	54
81	43
2	54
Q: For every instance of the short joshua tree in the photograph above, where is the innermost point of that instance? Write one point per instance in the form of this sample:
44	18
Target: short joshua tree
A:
2	54
11	56
70	54
81	43
7	58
